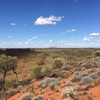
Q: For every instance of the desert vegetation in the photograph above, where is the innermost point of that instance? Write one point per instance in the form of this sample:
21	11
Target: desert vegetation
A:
49	74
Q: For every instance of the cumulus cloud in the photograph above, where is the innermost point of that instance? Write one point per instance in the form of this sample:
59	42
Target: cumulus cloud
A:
94	34
13	24
29	39
21	44
50	41
87	38
72	30
48	20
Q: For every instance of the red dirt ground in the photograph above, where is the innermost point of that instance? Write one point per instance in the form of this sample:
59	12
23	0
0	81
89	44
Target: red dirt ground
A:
47	93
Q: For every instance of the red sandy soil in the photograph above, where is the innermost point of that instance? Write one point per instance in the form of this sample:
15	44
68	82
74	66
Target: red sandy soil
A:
57	96
94	92
48	93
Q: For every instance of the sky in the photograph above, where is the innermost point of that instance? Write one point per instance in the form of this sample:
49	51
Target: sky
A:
49	23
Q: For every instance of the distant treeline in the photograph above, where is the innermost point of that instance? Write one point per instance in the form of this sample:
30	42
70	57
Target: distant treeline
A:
16	52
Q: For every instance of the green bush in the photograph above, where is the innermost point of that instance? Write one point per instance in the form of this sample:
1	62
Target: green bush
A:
57	63
55	56
37	72
43	55
41	61
96	53
46	70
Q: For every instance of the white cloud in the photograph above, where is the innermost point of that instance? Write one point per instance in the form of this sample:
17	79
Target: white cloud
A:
87	38
4	44
72	30
98	40
13	24
21	44
50	41
94	34
29	39
35	37
62	41
48	20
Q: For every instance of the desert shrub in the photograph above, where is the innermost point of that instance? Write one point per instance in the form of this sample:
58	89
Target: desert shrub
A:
96	53
97	59
94	64
64	74
48	82
75	79
91	71
77	88
52	85
43	55
57	63
37	72
19	87
25	96
77	73
55	56
87	65
98	65
94	76
98	73
69	92
97	82
69	83
78	68
38	97
83	74
41	61
46	70
86	80
67	67
59	73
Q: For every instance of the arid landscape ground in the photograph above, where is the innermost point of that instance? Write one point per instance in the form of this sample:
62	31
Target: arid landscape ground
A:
53	74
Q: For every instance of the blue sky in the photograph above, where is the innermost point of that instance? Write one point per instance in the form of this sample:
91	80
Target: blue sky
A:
49	23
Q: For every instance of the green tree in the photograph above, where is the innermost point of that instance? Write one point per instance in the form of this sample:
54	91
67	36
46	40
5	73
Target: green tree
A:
8	63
